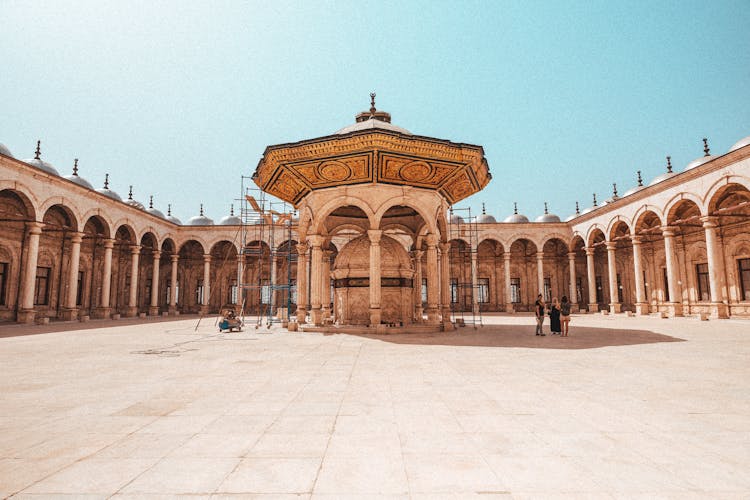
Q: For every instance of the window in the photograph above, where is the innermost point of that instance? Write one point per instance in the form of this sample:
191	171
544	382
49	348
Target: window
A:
148	291
454	290
41	296
599	291
169	292
515	290
3	281
744	278
265	293
233	293
579	290
666	284
619	288
79	290
483	294
547	290
704	287
199	292
293	290
424	290
645	286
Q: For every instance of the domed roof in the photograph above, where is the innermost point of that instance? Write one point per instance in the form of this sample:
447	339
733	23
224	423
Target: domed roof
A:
39	163
516	218
354	257
108	192
372	119
172	218
5	151
703	159
152	210
200	220
666	175
231	219
134	203
591	208
456	219
547	217
77	178
484	218
745	141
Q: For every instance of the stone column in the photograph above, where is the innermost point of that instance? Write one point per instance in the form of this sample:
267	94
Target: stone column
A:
26	312
153	309
591	272
614	305
135	254
325	284
508	294
674	306
301	283
274	267
174	259
573	297
432	280
104	311
716	272
375	273
540	272
206	283
474	283
418	285
316	314
445	284
641	306
70	310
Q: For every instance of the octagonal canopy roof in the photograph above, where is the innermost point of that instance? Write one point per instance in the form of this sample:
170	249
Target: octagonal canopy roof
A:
369	154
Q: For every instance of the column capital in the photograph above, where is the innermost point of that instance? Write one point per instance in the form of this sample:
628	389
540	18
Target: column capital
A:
445	247
301	249
206	257
375	235
540	255
432	239
156	254
710	221
590	251
34	227
76	237
636	239
668	231
506	256
316	240
611	246
109	243
175	257
135	249
571	256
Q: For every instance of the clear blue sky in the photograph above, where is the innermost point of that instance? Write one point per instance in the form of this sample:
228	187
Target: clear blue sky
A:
179	98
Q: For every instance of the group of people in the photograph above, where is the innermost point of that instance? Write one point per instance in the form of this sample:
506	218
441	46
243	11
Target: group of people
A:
559	315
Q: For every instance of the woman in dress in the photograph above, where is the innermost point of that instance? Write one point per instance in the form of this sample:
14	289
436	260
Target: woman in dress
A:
554	317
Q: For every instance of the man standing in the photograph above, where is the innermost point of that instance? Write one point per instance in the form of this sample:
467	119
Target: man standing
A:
539	307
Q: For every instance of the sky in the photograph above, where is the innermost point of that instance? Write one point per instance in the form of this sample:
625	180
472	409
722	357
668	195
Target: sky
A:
180	98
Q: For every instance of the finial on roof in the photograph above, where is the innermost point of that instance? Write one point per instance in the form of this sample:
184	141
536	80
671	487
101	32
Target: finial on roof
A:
640	179
515	208
545	208
169	209
130	192
595	200
484	212
75	166
231	209
151	201
450	210
705	147
38	152
201	209
372	103
669	164
106	181
578	210
614	190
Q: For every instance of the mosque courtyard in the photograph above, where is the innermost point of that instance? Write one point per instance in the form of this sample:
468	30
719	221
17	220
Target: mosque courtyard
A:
627	407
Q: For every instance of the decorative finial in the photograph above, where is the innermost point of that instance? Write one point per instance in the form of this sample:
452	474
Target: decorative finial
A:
231	209
106	181
515	208
169	210
705	147
545	208
75	166
201	209
484	212
669	164
151	201
640	179
595	200
614	190
578	210
450	210
38	152
372	103
130	192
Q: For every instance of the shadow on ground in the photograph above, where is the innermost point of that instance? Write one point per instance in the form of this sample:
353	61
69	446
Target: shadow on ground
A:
523	336
19	330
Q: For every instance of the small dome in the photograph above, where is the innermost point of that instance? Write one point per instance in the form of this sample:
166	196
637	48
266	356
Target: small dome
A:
456	219
516	219
5	151
77	178
39	163
154	211
486	219
372	119
200	220
737	145
660	178
135	203
547	218
174	220
108	192
230	220
699	161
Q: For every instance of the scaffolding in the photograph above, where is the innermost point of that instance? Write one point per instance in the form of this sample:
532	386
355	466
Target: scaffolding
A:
267	292
463	278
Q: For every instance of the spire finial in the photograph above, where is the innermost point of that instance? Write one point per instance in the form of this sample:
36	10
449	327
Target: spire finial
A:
201	209
169	209
151	201
705	147
595	200
484	212
614	190
231	209
640	179
130	192
38	152
106	181
669	164
578	210
515	208
545	208
450	210
372	103
75	166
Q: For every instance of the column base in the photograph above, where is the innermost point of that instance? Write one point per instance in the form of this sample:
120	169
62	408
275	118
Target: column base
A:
448	326
573	307
326	311
418	315
131	312
26	316
615	308
374	316
509	309
101	313
69	314
301	315
432	316
203	309
593	308
445	313
172	310
153	311
674	309
719	310
316	317
642	309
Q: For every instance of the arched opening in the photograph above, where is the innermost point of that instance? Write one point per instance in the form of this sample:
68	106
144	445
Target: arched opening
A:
53	264
190	277
597	243
647	228
460	276
257	278
687	279
490	276
148	288
91	268
555	269
624	292
578	295
15	211
285	296
122	257
168	266
524	283
223	287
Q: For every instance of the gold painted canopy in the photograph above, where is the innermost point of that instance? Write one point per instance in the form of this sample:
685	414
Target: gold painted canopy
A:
291	171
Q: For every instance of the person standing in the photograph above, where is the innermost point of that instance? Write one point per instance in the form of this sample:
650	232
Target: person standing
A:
554	317
565	315
539	310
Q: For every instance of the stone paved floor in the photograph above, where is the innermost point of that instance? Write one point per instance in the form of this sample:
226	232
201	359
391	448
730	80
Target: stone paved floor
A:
625	408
